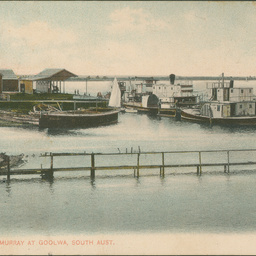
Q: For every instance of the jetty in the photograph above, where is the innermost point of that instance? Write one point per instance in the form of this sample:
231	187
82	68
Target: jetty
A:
196	161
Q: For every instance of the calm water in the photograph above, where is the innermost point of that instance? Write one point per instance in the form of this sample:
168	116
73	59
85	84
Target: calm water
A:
116	201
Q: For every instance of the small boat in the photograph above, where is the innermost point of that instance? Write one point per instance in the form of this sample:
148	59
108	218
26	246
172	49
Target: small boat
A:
115	97
85	118
130	110
149	104
78	118
227	106
139	96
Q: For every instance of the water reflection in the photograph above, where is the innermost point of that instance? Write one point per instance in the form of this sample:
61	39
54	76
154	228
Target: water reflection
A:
8	188
93	183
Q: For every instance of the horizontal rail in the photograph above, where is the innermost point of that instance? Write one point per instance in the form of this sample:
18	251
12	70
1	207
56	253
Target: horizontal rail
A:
135	164
146	153
122	167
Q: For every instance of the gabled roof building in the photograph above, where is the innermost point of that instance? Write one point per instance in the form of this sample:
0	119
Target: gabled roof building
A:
9	80
51	80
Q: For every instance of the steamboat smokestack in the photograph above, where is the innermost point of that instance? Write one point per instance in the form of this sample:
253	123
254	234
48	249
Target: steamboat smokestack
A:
231	84
172	78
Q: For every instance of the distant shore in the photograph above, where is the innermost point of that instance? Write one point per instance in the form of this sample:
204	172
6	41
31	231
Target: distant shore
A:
164	78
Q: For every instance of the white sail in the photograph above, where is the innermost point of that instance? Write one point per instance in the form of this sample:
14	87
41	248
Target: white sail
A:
115	98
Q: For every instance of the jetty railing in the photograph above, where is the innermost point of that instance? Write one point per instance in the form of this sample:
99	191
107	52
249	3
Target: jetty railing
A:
164	160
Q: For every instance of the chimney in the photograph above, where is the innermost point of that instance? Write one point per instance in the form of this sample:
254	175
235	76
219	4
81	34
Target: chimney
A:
231	84
172	78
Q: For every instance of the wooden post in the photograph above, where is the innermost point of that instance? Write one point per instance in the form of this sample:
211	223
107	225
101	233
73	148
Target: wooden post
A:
8	169
51	171
92	166
162	172
51	161
228	160
225	168
197	170
200	163
74	105
138	165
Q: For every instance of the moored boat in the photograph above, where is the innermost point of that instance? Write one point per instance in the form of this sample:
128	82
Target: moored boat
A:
78	118
227	106
173	96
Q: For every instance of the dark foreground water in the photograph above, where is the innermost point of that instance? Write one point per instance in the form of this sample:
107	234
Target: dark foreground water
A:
117	202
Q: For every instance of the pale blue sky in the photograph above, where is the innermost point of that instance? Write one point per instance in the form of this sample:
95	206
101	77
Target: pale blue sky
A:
129	38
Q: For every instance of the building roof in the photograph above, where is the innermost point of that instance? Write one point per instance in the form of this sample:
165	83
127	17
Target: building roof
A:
8	74
53	74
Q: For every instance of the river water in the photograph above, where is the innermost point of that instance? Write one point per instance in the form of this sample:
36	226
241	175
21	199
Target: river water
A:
116	202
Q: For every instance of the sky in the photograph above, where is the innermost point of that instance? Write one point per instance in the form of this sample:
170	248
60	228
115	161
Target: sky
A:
191	38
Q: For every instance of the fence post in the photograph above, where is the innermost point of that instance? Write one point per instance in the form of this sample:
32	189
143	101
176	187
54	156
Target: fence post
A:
228	160
92	166
8	169
51	171
138	165
200	162
197	169
162	172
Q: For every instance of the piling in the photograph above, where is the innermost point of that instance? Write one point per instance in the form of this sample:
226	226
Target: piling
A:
162	169
228	160
92	166
8	169
49	174
138	165
200	162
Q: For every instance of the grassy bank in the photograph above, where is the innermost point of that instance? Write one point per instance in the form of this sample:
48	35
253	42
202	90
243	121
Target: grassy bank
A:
41	96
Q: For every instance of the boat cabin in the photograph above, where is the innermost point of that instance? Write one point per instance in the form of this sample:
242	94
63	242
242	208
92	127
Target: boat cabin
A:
227	92
179	93
227	101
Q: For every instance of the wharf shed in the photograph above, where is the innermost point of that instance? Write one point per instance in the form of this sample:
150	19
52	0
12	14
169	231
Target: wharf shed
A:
52	80
26	84
10	81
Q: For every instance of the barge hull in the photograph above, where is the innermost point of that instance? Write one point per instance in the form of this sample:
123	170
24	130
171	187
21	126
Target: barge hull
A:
77	121
241	121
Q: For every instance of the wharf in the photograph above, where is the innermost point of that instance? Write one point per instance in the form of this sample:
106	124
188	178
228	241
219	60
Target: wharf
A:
166	161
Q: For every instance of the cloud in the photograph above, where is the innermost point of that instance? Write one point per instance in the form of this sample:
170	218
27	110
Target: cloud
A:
134	20
32	47
36	34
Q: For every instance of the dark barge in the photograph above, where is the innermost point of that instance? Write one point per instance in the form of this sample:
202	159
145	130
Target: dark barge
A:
78	118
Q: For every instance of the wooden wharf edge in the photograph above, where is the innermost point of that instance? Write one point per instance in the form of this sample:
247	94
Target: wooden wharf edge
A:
135	166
